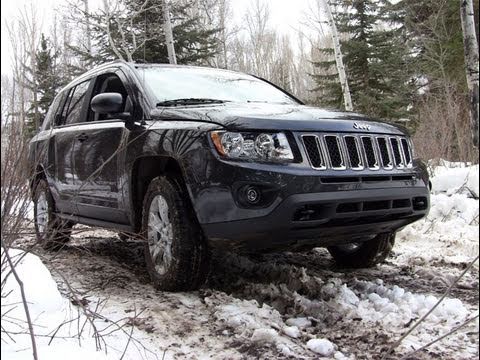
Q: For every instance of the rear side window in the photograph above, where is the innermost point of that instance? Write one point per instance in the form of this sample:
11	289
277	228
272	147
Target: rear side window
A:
52	111
72	110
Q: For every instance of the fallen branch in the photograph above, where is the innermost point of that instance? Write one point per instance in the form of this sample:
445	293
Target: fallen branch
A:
422	319
24	301
439	338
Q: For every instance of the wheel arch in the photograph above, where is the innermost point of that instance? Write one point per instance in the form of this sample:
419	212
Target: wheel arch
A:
38	174
144	170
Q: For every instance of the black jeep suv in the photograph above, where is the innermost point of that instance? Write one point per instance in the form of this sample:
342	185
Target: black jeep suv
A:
190	158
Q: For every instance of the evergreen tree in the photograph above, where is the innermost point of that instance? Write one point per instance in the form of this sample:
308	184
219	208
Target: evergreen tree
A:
375	58
435	32
136	31
45	82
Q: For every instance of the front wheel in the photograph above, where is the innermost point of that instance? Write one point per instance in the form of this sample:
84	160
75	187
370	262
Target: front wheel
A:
52	232
363	254
176	252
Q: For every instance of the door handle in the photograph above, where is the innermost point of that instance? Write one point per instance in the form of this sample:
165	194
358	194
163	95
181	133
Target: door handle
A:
82	137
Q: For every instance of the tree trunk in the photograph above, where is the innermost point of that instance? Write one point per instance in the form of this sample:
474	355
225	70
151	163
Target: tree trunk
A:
470	45
87	20
339	58
167	27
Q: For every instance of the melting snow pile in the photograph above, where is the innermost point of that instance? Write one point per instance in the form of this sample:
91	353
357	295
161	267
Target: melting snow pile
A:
56	323
450	232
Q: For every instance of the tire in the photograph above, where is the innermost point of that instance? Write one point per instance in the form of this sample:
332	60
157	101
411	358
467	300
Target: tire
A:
176	253
52	232
365	254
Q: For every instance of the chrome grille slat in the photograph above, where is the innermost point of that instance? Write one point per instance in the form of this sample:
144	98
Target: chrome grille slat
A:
353	150
314	151
397	152
370	152
407	154
339	151
334	152
385	154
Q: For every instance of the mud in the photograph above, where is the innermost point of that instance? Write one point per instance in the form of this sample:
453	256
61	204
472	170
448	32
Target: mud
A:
98	265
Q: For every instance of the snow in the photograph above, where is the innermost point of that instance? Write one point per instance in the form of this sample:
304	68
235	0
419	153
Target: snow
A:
265	335
300	322
51	314
451	177
292	331
450	231
321	346
48	309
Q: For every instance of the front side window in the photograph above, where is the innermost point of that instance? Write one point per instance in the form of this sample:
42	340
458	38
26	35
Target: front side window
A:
110	83
73	106
169	83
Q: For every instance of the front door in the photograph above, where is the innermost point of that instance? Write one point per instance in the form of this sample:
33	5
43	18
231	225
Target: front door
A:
98	153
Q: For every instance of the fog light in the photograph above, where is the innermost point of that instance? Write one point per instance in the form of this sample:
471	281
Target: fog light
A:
252	194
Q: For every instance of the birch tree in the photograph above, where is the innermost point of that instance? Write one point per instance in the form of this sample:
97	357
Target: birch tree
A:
338	57
471	62
167	28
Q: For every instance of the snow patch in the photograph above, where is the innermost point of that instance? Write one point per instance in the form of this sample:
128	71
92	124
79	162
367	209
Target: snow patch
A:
321	346
265	335
292	331
300	322
451	177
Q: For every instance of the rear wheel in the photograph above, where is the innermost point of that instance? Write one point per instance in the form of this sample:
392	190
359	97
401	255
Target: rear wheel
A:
52	232
176	252
363	254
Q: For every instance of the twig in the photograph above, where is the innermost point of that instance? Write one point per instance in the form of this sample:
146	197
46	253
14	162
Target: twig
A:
129	338
447	291
440	338
24	301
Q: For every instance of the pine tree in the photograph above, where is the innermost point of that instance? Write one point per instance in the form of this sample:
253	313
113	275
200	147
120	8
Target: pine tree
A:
45	81
375	58
136	33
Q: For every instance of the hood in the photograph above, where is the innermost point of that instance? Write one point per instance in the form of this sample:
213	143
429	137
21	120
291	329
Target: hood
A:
263	116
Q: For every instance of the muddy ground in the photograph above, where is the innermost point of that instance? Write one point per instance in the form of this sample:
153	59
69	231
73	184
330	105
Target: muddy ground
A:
99	266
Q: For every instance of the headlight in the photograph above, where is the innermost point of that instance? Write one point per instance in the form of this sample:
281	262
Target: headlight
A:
253	146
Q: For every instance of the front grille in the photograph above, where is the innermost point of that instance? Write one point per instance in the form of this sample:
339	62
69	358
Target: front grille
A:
356	152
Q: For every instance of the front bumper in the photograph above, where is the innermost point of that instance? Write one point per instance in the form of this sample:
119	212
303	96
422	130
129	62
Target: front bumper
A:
335	217
305	207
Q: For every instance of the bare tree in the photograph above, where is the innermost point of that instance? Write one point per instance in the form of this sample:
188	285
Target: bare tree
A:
471	61
87	27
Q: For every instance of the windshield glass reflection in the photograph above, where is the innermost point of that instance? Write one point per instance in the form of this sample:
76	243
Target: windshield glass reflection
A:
169	83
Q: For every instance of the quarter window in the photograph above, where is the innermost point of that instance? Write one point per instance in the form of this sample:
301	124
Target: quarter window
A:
52	111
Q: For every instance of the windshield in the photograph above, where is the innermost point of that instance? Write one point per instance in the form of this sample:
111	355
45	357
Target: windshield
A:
171	83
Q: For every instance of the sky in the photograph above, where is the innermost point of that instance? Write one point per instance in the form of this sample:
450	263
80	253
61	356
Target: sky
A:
285	16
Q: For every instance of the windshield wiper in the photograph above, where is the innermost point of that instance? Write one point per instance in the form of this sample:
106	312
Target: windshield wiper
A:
190	101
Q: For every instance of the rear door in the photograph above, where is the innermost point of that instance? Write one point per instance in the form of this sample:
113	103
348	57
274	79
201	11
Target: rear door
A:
99	153
66	134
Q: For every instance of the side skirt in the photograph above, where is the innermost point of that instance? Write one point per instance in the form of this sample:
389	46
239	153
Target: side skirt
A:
96	222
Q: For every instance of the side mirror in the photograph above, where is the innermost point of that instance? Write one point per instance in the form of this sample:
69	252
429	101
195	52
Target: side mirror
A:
107	103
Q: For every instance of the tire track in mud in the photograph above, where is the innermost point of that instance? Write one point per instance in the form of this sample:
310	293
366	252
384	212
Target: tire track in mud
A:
294	284
305	284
